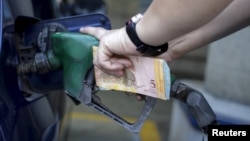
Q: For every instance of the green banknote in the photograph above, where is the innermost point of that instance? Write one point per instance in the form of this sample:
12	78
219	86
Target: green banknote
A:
148	76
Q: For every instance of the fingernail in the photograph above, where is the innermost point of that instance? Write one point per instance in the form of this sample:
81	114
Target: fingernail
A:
119	73
82	28
127	65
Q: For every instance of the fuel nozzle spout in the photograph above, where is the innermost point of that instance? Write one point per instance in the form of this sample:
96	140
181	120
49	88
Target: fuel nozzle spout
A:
39	65
196	103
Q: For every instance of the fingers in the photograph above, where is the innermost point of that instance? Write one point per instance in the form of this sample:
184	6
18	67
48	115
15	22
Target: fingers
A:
112	65
98	32
138	97
106	57
124	62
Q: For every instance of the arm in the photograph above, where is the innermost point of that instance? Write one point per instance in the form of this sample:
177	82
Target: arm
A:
163	21
167	19
233	18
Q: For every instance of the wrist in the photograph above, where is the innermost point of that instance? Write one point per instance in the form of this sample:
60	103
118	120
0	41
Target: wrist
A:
143	48
128	46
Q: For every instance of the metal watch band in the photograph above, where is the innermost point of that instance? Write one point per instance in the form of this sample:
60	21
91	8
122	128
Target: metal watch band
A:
145	49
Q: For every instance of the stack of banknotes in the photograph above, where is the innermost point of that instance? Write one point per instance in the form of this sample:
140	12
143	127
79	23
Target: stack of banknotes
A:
148	76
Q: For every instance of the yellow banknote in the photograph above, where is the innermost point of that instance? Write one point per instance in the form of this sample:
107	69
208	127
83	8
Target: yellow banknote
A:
148	76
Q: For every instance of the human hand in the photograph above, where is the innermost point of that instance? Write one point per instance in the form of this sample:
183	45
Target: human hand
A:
113	46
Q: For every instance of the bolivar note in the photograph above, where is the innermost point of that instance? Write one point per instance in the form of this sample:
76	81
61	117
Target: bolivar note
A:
148	76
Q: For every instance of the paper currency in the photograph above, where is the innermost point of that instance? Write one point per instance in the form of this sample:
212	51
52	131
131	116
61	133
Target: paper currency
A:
148	76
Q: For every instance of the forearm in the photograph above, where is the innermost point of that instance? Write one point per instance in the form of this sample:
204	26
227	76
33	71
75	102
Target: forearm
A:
236	16
167	19
233	18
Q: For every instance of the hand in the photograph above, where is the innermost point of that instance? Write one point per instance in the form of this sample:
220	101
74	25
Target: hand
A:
138	97
113	46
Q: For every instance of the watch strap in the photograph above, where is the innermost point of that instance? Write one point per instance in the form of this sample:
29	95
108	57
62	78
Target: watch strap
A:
145	49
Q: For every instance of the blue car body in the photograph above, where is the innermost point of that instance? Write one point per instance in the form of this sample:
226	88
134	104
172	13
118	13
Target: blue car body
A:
38	119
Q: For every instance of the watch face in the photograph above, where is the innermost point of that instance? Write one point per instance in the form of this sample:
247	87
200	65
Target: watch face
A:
136	18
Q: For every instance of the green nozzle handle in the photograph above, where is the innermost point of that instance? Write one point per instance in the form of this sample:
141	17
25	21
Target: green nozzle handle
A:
73	52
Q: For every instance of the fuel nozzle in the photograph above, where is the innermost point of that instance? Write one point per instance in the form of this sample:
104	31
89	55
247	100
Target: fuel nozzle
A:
196	103
38	65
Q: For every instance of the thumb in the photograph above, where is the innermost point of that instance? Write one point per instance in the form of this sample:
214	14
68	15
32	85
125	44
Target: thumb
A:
98	32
